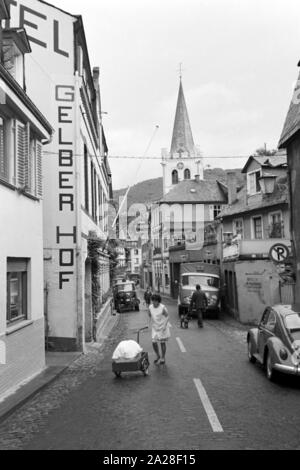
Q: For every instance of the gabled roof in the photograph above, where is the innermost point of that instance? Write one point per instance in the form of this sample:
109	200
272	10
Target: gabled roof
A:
56	8
274	161
244	204
292	122
203	191
182	140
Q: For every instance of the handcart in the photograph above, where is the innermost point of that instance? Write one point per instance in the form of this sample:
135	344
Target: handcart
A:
139	363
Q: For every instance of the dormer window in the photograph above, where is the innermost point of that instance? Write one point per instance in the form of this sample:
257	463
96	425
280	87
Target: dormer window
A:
253	182
15	45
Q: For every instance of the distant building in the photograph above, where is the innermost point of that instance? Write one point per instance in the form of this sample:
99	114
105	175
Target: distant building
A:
77	175
23	131
256	219
135	260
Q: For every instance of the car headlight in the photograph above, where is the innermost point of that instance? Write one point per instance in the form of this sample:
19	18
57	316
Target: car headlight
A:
283	354
213	299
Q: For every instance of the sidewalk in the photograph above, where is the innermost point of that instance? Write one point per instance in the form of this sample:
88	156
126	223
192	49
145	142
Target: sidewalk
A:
56	364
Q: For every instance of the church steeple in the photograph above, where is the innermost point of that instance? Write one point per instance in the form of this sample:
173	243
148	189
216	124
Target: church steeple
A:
182	140
184	162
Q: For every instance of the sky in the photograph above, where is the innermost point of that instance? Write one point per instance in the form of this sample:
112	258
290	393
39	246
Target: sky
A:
239	70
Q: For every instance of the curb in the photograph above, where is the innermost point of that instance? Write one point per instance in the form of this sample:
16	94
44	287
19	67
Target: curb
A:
54	372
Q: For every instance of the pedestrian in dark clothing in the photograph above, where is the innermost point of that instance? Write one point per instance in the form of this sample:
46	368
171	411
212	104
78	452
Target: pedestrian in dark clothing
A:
147	296
199	300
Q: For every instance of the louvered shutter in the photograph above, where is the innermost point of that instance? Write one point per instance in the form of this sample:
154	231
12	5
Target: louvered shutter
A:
28	159
3	163
39	169
21	154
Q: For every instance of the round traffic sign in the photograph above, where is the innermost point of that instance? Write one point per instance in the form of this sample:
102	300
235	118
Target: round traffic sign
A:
279	253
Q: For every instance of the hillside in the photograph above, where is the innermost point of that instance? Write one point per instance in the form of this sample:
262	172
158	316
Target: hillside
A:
152	190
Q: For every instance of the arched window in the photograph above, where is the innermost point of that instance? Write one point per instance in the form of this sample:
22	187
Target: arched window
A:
187	174
175	177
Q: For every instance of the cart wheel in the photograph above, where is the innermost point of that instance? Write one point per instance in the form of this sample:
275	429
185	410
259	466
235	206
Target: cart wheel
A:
118	374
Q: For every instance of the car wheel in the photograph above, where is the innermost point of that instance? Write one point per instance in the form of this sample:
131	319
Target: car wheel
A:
269	369
251	358
118	374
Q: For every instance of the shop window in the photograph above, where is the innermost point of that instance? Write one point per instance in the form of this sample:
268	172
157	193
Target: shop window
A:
17	290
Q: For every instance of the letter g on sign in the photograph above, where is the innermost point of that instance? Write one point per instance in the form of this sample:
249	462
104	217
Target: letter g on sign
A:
65	93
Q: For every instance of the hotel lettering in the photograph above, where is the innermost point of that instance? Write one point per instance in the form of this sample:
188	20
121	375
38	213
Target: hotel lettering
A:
66	235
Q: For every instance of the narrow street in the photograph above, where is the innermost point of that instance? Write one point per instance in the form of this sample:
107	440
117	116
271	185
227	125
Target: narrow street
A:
207	396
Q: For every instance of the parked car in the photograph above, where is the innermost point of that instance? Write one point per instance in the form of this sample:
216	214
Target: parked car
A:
125	297
276	342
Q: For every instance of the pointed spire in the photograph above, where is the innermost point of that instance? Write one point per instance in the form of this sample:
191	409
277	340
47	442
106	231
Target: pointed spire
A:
182	141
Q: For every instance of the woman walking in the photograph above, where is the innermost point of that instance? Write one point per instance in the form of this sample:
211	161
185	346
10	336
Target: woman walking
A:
160	328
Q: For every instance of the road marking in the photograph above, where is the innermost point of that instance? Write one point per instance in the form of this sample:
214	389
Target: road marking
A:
212	417
181	346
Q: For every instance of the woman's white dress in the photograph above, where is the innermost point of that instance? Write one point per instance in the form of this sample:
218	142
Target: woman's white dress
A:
160	324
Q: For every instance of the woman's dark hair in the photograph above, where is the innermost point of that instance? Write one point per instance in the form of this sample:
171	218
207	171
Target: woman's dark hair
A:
156	298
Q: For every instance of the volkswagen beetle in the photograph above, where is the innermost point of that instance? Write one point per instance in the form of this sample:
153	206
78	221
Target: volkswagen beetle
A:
276	342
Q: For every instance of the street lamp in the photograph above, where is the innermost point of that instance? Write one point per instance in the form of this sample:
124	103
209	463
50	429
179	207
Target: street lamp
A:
267	183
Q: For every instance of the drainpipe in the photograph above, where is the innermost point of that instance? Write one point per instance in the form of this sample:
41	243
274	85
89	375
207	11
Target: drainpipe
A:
77	151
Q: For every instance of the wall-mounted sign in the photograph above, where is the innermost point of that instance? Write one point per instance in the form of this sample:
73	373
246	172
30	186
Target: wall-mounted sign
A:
279	253
180	166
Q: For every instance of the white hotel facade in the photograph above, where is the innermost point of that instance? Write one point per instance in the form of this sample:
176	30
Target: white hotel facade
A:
77	177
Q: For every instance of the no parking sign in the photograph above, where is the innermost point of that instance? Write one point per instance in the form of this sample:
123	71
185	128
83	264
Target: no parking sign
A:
279	253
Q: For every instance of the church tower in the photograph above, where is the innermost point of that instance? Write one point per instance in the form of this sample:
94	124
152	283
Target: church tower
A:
184	161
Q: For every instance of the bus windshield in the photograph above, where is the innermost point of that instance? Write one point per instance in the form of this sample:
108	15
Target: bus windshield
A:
202	280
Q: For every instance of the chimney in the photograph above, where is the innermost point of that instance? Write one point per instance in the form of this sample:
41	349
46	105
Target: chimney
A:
232	189
197	178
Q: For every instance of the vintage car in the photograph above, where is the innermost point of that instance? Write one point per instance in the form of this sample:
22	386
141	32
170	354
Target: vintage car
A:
125	297
276	342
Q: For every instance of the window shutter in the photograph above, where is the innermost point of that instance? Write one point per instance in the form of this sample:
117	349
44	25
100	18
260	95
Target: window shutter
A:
39	169
21	154
3	165
27	159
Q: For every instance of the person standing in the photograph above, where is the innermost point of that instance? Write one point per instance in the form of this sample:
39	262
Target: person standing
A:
160	328
199	300
147	297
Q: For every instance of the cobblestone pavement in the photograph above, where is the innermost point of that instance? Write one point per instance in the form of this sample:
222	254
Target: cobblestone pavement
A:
88	408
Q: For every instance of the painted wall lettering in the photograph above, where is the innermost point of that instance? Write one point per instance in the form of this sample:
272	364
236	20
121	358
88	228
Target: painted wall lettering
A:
36	24
66	183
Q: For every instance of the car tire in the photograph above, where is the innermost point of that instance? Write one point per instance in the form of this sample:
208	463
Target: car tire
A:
270	372
251	358
137	308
